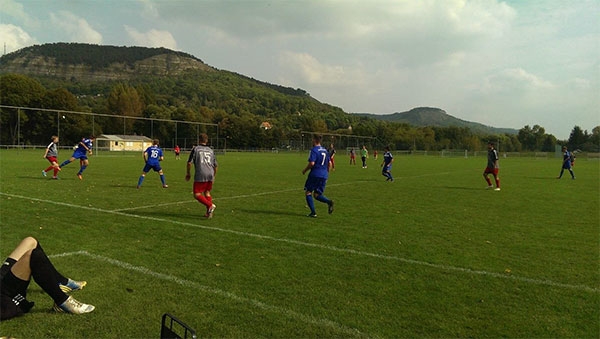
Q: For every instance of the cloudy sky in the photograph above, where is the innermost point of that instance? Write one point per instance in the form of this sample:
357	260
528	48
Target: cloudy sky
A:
501	63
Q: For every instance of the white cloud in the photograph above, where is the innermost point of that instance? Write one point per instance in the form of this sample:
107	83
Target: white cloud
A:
76	28
515	79
152	38
17	11
15	38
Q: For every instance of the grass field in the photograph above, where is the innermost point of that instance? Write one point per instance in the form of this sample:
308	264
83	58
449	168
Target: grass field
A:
433	254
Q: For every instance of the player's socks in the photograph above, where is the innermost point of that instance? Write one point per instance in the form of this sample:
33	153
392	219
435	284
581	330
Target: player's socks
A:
311	204
48	169
203	200
488	181
56	170
64	163
162	179
83	167
498	183
140	180
323	198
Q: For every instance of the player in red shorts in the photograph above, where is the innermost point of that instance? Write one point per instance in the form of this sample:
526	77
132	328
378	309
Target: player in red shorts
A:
51	154
492	167
205	165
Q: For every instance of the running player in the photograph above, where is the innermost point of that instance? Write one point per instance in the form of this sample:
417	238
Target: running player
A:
492	167
51	154
567	163
319	165
152	157
386	165
205	165
81	152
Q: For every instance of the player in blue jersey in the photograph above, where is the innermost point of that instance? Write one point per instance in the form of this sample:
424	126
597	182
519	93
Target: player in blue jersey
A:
81	152
152	157
567	163
386	165
319	165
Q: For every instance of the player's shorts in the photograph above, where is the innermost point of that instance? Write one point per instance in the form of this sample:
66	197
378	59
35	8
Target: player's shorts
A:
386	169
314	184
52	159
155	167
80	156
567	165
491	170
200	187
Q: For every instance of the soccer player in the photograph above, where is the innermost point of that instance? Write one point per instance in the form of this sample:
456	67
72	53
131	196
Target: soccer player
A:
364	154
28	260
567	163
51	154
177	150
152	157
205	165
319	165
352	157
83	148
331	151
492	167
386	165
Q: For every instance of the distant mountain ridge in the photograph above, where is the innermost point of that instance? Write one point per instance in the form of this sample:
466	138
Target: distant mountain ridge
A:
436	117
77	61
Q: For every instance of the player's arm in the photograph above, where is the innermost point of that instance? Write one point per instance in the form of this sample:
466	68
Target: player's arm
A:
145	155
187	171
46	152
89	150
308	166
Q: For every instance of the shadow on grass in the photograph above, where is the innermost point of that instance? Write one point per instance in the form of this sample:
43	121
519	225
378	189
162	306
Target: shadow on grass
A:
463	188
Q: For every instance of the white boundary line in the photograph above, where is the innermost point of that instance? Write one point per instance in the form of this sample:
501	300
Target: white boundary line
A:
332	248
221	293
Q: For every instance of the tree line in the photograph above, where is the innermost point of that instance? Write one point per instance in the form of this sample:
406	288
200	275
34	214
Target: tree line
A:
238	105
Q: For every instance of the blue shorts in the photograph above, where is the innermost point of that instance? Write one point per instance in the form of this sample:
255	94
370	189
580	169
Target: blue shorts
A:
386	169
314	184
155	167
80	156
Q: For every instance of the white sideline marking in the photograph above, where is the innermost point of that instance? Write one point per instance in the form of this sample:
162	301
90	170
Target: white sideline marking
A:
332	248
207	289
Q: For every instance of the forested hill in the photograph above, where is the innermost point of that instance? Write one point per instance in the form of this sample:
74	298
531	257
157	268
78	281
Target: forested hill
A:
428	116
156	83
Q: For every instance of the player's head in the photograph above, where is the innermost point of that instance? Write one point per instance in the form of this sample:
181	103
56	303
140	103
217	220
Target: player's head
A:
387	148
490	145
317	138
564	148
155	142
92	137
54	138
203	138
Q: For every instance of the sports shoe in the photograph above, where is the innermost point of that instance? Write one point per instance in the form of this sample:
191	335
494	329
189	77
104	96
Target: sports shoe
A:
330	207
73	306
72	285
165	186
79	176
211	210
312	215
44	173
497	189
55	178
489	187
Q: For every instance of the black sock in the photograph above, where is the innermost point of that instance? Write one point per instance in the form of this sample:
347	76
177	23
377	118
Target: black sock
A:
45	275
61	279
8	263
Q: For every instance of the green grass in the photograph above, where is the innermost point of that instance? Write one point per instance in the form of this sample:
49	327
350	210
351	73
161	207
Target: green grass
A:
433	254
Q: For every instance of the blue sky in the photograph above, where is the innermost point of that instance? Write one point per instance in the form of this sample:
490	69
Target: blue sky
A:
500	63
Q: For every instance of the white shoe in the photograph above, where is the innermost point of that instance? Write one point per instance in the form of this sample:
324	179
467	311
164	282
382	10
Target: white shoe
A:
489	187
211	210
73	306
497	189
